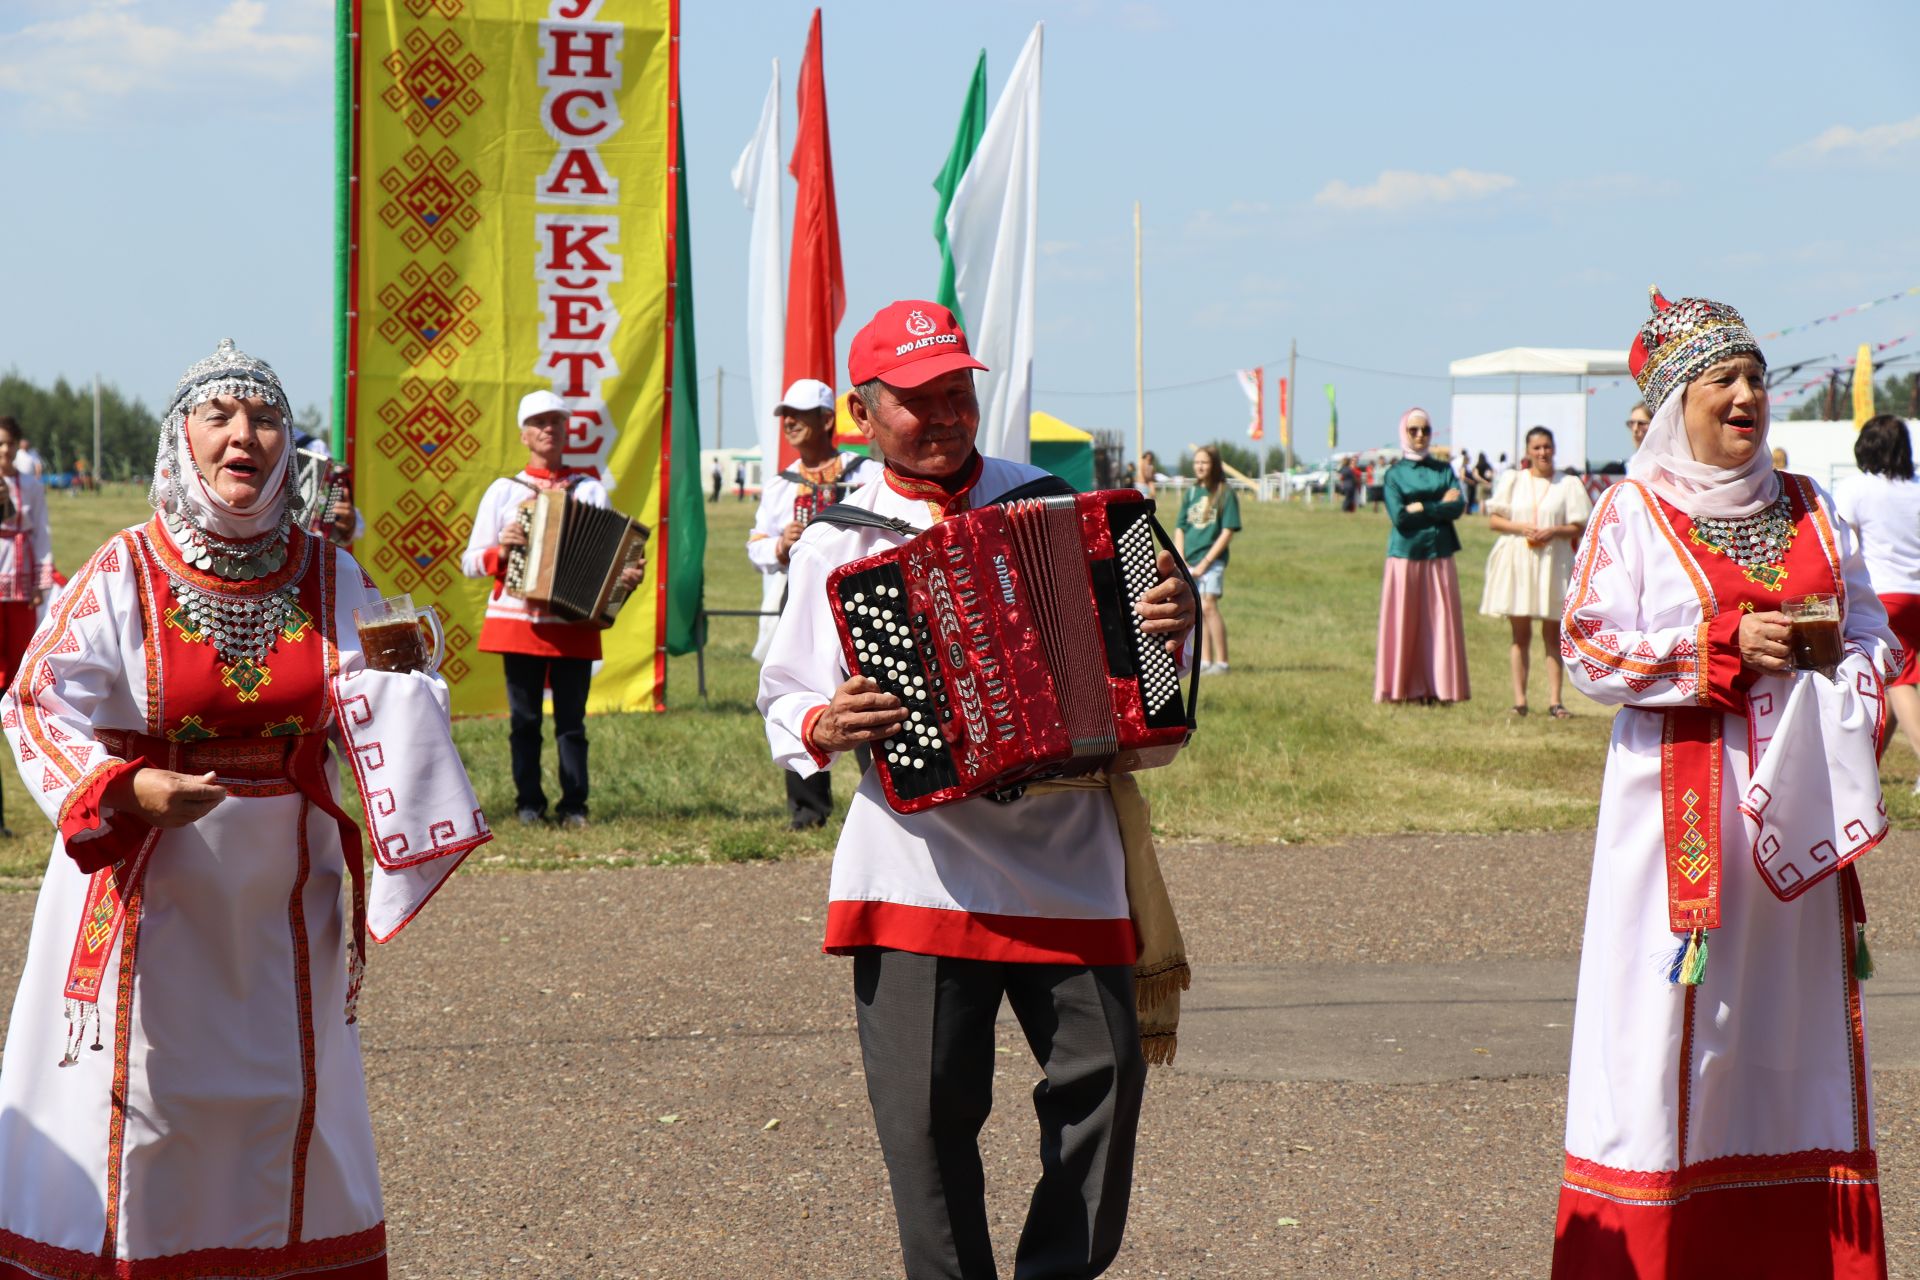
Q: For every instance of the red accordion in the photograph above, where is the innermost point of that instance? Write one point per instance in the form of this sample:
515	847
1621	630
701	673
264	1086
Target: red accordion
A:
1009	634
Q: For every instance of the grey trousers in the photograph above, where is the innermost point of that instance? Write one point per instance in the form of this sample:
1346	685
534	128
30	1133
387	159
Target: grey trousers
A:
926	1036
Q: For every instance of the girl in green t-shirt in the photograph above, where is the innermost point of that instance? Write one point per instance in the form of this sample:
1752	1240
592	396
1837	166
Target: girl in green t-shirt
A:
1209	517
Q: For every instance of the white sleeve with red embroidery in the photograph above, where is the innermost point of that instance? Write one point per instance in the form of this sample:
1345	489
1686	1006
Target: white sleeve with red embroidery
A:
804	663
1634	630
83	670
482	553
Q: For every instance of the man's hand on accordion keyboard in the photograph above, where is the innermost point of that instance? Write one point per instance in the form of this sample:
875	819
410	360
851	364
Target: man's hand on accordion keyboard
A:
512	535
1167	608
859	714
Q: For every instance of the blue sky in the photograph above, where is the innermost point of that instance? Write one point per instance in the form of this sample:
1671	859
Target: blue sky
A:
1394	185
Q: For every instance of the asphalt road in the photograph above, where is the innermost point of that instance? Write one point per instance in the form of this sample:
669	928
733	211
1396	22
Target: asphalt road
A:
654	1072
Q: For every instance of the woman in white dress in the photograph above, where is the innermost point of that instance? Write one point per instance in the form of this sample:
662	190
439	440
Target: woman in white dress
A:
181	1096
1720	1115
1538	516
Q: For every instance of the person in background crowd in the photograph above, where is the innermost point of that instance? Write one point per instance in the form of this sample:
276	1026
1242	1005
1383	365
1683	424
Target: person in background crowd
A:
1482	480
1538	516
740	482
819	478
539	650
1720	1098
719	479
1209	517
952	910
1463	471
1349	485
1882	505
1638	419
1779	458
1422	649
26	560
1147	474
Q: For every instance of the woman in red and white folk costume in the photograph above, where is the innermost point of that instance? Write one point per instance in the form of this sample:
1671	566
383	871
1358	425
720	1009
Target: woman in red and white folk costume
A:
1719	1107
181	1093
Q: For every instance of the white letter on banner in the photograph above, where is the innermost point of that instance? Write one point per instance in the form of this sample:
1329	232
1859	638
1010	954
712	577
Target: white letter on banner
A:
575	262
581	71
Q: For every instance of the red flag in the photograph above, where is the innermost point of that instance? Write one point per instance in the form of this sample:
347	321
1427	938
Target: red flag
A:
816	289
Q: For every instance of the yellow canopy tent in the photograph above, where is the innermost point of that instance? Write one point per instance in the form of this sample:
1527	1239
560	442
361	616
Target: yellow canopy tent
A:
1053	445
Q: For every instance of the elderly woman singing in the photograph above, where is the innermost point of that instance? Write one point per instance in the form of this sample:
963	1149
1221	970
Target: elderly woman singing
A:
1719	1108
182	1093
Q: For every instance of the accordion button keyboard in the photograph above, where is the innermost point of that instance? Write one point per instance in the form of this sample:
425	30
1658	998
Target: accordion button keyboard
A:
893	645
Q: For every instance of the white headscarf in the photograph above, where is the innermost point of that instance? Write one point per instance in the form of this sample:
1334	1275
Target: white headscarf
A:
1665	464
178	484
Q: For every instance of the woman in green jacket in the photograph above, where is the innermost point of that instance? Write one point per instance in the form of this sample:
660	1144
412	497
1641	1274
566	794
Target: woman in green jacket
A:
1422	654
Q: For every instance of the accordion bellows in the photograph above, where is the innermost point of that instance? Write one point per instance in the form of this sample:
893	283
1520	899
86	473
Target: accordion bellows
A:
573	556
1010	636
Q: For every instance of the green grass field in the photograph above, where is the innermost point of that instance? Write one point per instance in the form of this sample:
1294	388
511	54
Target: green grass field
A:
1291	747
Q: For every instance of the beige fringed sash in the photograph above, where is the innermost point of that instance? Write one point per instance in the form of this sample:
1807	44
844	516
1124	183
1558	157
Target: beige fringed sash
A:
1162	972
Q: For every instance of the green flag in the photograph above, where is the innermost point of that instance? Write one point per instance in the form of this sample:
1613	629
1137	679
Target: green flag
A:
1333	421
966	140
687	547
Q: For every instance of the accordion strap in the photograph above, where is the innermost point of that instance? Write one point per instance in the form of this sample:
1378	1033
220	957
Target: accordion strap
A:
845	515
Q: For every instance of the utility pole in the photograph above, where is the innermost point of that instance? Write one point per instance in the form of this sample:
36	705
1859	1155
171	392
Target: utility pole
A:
1139	355
719	405
96	433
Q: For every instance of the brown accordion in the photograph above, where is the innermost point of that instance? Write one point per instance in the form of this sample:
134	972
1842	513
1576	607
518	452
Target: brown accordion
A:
1009	634
573	557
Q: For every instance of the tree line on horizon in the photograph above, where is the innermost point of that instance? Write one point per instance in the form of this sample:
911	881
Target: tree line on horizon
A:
58	421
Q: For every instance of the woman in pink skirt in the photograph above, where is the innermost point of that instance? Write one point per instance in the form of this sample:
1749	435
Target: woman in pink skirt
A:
1422	653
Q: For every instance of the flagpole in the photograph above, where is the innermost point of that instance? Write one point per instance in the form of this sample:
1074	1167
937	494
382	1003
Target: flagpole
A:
1293	393
1139	354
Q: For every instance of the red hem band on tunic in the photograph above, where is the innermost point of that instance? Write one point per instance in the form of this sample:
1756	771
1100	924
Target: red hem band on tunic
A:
1805	1213
360	1256
977	935
539	639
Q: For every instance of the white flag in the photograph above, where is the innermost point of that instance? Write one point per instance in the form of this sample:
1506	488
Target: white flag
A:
993	232
756	176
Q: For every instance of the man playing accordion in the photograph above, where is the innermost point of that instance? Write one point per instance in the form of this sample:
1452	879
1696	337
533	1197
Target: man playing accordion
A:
946	911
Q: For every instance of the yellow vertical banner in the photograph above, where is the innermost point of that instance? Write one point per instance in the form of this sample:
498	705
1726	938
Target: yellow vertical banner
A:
510	230
1862	386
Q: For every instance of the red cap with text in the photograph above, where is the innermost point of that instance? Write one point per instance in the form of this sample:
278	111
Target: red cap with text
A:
908	343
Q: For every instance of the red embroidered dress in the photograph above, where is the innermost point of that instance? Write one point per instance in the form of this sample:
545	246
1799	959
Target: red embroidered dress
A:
1723	1128
207	1114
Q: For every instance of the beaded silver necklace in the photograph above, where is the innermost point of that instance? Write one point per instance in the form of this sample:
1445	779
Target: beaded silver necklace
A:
1757	543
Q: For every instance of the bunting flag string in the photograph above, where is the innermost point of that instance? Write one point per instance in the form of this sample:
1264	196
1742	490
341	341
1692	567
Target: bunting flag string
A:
1781	395
1841	314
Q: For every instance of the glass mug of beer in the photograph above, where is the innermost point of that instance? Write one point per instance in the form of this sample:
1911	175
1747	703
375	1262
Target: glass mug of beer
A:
1816	641
393	635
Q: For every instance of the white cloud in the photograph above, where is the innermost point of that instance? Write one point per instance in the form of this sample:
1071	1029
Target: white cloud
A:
1397	189
1875	142
102	50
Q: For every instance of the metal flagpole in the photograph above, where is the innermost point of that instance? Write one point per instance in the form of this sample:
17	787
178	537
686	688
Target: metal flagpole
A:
1293	396
1139	355
96	433
720	407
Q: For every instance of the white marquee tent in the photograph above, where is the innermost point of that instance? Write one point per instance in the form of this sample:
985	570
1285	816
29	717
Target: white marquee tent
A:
1494	419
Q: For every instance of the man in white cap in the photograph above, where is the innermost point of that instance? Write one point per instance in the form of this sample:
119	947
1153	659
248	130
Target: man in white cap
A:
818	478
541	651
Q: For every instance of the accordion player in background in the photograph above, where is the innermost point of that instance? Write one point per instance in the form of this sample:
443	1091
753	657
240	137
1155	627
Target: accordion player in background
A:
947	910
818	478
540	650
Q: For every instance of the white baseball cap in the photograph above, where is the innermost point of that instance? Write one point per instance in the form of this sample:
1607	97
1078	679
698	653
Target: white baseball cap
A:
807	393
535	403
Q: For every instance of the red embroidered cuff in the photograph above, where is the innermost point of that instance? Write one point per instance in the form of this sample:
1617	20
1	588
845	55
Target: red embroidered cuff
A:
81	816
1727	677
494	562
806	736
